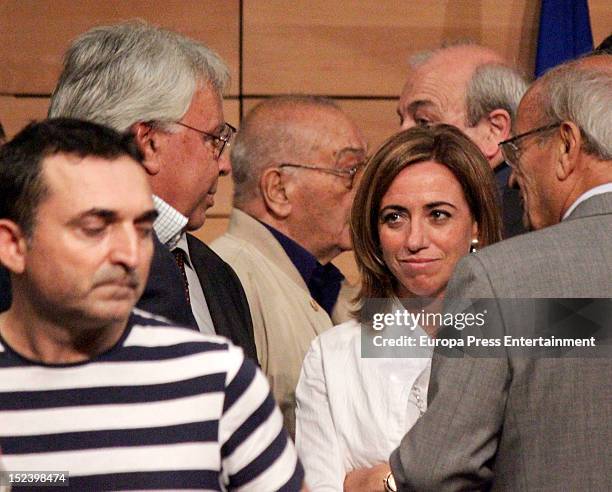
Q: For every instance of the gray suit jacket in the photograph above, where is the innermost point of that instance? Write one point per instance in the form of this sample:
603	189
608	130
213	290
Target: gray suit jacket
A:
511	423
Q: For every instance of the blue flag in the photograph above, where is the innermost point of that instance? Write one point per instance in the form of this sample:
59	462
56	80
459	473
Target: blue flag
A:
565	33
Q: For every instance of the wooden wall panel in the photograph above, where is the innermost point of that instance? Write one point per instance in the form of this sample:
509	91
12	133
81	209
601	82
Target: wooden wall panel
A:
212	229
378	120
35	33
360	47
17	112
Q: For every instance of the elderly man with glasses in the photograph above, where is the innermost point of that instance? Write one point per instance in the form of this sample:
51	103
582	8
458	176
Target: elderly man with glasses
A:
519	421
475	89
295	164
166	89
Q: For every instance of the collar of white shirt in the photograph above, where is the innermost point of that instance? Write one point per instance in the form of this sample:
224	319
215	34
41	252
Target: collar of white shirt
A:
598	190
169	224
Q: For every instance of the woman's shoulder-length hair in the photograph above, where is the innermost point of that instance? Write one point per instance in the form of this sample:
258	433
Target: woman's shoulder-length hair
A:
443	144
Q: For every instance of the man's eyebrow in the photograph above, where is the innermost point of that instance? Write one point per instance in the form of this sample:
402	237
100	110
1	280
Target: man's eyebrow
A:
102	213
148	216
112	216
414	106
351	150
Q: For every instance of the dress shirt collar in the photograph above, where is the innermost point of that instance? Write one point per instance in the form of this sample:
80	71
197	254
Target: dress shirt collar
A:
598	190
323	281
169	224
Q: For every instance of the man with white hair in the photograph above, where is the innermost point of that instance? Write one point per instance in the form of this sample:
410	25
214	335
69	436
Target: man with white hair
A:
166	90
473	88
514	422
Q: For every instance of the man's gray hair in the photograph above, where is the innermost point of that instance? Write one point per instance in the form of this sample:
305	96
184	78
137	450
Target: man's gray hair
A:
131	72
270	134
584	96
492	86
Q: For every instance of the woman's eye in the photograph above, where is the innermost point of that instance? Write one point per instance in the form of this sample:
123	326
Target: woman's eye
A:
391	217
440	215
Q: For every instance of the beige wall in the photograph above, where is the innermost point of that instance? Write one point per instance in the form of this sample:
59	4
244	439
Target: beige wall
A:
355	50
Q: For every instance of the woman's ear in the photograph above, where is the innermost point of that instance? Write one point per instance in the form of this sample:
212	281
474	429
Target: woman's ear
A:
273	189
145	136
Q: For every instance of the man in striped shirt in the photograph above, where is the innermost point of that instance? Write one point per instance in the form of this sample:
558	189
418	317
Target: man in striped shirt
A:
113	397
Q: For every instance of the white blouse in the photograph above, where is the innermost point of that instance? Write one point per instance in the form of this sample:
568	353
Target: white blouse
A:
352	412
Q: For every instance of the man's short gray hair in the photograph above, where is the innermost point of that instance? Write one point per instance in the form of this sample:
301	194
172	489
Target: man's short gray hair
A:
584	96
131	72
270	133
492	86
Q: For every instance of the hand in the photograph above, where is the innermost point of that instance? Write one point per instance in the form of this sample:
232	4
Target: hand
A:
366	479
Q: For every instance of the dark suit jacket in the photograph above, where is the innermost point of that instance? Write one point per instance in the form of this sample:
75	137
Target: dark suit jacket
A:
227	302
522	423
164	294
511	203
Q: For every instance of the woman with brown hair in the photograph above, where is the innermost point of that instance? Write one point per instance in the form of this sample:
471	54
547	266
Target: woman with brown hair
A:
427	197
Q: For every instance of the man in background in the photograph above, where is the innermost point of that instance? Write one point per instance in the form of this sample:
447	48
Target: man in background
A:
295	163
166	90
473	88
519	423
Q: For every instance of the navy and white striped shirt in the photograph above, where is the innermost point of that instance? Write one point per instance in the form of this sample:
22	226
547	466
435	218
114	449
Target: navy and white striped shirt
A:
165	408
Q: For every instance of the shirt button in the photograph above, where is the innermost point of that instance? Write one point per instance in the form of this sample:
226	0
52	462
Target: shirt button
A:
314	304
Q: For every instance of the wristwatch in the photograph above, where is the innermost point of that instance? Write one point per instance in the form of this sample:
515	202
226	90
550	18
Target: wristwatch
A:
389	483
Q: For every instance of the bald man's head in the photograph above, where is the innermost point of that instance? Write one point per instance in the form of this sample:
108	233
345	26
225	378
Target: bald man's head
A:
579	91
295	163
468	86
284	129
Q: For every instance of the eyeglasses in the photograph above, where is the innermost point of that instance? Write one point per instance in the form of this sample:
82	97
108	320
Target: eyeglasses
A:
510	150
218	141
348	173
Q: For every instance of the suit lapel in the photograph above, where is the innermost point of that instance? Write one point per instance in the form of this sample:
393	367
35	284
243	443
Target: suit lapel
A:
199	253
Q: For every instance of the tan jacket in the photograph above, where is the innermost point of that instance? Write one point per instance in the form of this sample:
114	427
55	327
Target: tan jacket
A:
285	317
